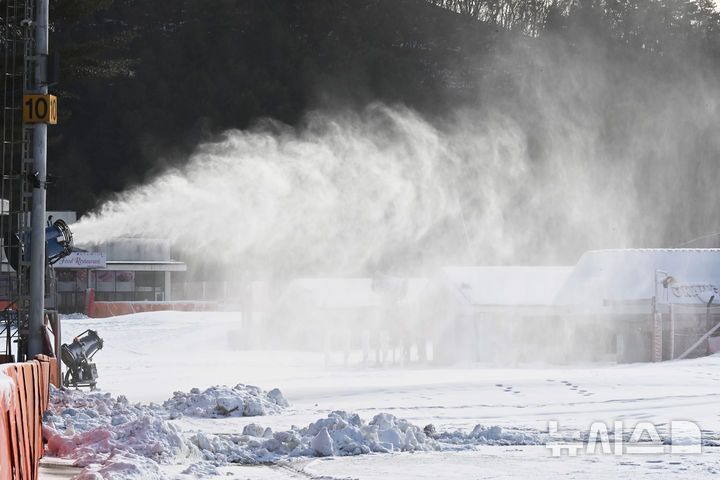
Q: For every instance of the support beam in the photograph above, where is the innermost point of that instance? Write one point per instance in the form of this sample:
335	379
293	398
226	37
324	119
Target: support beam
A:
168	287
699	342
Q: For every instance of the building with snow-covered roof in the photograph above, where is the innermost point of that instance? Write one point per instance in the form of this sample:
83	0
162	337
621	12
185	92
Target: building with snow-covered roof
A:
629	304
344	293
343	313
121	270
492	313
659	302
679	276
486	287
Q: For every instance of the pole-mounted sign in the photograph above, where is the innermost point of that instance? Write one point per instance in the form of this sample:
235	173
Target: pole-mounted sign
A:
40	109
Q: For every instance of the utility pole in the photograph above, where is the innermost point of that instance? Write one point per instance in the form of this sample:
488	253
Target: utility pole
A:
39	151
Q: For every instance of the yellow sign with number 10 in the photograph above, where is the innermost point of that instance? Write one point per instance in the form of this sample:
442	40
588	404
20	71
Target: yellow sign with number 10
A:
40	109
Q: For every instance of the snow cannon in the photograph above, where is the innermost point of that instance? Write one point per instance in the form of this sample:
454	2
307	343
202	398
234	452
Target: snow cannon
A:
58	244
77	356
58	241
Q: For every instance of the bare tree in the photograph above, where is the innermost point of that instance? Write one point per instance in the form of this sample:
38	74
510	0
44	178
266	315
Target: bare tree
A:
528	15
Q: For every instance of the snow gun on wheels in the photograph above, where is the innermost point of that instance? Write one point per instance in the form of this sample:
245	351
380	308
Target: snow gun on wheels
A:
77	356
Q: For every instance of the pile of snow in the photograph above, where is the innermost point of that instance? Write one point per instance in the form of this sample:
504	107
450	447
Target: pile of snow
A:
91	427
74	316
494	435
113	439
123	465
340	434
221	401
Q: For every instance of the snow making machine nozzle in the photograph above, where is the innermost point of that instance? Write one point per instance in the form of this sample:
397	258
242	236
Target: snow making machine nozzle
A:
58	244
77	356
59	240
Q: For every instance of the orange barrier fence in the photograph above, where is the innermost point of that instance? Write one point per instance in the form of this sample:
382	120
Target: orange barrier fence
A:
24	396
113	309
95	309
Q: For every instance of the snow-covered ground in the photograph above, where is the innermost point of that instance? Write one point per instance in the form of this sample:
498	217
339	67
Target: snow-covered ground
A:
372	422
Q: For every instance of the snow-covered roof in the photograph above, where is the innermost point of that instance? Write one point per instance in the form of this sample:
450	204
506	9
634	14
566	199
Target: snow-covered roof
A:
506	285
347	292
628	275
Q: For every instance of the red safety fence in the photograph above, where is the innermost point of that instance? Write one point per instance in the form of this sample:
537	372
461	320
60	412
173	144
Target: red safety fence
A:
24	396
113	309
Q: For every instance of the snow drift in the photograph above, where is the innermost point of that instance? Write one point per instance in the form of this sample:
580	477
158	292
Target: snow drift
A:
111	438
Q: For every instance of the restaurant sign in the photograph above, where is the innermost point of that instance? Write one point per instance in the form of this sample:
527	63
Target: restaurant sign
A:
82	260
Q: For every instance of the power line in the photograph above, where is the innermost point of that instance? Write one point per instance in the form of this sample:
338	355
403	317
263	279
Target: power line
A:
698	238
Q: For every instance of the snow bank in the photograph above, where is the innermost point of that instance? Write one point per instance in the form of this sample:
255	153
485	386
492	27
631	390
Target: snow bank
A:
494	435
340	434
73	316
125	466
221	401
114	439
91	427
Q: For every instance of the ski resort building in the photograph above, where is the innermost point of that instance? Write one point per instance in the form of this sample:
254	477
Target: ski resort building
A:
659	303
626	305
498	313
630	305
123	270
378	315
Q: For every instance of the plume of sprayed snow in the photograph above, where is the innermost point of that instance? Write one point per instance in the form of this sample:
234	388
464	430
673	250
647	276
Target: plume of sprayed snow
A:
576	143
351	191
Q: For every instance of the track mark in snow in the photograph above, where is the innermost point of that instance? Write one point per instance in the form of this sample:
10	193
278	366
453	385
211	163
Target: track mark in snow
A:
297	473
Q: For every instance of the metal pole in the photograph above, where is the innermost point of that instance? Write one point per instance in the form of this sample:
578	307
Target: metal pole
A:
672	332
37	239
658	319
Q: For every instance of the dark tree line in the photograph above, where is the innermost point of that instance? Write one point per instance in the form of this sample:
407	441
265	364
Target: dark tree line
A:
175	73
645	23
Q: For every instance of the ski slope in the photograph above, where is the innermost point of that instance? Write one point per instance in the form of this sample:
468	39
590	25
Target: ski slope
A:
149	356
